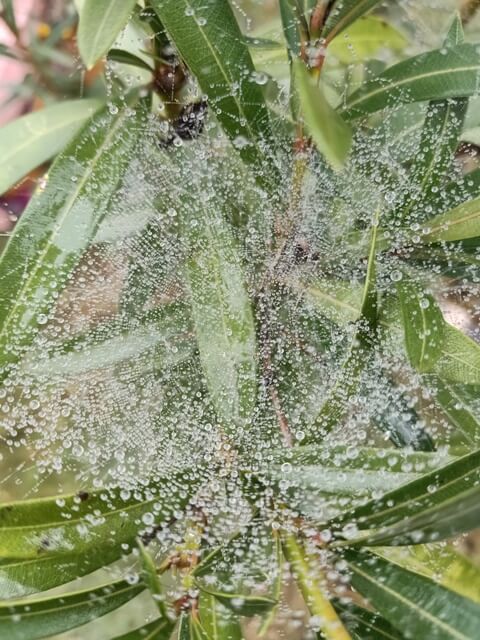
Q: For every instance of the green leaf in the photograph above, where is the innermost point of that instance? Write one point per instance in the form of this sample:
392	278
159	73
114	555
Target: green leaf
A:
8	14
438	505
218	622
454	402
295	28
422	324
157	630
460	359
332	136
100	23
224	324
33	139
338	300
190	629
125	57
151	579
417	605
442	563
348	379
44	617
441	131
312	584
164	333
277	590
59	224
363	624
364	38
460	223
435	75
96	523
343	14
210	42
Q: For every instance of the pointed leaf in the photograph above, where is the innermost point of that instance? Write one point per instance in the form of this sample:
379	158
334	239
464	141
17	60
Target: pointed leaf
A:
455	403
423	325
8	14
164	333
438	505
435	75
460	359
343	14
97	523
100	23
59	223
332	136
460	223
417	605
223	324
362	623
157	630
35	619
209	40
218	622
31	140
439	562
125	57
310	581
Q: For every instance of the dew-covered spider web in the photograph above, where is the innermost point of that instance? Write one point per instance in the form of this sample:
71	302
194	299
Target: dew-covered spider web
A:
113	392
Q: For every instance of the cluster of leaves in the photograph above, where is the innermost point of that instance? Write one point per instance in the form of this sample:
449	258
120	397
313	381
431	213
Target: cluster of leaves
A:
291	322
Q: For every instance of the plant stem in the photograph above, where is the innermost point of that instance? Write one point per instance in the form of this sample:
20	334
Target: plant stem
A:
308	577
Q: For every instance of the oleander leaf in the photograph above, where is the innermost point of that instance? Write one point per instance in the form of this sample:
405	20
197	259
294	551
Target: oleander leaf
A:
31	140
209	40
44	617
423	325
362	623
157	630
332	136
125	57
411	602
343	14
364	38
438	505
101	21
218	622
60	222
460	223
435	75
94	523
312	583
223	322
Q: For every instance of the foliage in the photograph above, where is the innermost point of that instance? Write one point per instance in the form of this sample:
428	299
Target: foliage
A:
283	392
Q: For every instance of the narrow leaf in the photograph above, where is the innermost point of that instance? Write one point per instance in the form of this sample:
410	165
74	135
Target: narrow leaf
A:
332	136
100	23
164	333
343	14
209	40
157	630
35	619
439	562
125	57
97	523
417	605
422	324
218	622
59	223
435	75
224	325
31	140
310	580
460	223
362	623
8	14
438	505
